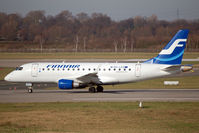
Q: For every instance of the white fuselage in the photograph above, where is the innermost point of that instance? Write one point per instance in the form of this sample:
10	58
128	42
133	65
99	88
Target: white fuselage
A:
107	73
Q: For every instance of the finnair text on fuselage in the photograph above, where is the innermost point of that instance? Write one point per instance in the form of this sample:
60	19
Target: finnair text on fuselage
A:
63	66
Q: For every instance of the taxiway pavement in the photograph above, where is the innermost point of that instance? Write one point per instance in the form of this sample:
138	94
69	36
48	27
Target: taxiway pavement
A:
82	95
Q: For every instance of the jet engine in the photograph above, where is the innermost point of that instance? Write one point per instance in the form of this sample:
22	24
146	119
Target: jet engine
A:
69	84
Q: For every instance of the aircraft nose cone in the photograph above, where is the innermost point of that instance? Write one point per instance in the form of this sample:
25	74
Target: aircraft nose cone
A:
7	77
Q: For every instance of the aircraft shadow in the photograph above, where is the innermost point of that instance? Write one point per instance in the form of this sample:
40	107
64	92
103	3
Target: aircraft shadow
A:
105	91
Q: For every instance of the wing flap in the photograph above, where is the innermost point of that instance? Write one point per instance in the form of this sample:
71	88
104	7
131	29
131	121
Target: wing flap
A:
91	78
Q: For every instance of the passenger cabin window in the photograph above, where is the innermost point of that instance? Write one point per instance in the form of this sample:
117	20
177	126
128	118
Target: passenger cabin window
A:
19	68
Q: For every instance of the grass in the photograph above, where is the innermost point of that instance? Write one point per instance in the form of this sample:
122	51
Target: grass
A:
100	117
4	71
195	63
88	55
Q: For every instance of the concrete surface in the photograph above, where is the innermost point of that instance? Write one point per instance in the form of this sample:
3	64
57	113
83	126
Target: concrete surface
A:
82	95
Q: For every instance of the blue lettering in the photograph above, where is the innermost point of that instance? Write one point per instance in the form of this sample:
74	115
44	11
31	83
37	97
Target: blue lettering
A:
48	66
59	66
54	66
71	66
118	66
62	66
65	66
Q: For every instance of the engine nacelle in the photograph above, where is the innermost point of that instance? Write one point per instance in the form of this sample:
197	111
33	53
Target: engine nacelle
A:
69	84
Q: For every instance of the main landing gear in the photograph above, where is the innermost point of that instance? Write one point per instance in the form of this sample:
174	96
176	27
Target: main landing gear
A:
97	89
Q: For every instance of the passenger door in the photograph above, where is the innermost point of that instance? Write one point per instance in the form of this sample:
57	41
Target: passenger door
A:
34	70
137	70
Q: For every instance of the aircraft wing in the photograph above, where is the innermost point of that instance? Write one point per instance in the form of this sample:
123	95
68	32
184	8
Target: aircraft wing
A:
91	78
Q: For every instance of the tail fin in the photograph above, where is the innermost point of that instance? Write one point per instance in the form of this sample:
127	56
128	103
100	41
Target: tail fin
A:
173	52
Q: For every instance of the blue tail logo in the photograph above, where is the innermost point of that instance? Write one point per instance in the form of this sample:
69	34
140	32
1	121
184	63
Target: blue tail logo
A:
174	50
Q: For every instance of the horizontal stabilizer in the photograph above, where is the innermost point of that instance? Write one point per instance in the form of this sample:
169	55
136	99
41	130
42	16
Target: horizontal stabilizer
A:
183	68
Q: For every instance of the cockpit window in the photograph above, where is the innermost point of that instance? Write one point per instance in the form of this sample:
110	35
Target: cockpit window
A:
19	68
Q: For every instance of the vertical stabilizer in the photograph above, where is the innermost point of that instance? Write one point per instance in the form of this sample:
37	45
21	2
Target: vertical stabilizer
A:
173	52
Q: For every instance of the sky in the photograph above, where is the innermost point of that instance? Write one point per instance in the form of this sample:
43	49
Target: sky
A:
116	9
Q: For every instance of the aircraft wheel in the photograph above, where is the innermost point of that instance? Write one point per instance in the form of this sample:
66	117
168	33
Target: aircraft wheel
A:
100	89
30	90
92	90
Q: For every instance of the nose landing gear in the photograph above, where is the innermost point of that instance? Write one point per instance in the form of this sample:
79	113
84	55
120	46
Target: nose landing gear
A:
30	88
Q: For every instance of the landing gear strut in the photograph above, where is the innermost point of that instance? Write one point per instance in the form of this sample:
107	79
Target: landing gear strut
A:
97	89
92	90
30	88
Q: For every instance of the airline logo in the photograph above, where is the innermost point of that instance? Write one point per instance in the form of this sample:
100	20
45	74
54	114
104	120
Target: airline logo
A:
172	47
63	66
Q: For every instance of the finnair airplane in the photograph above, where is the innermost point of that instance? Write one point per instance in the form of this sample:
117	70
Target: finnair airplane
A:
94	75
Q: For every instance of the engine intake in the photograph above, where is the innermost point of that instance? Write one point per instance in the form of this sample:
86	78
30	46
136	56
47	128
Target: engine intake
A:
68	84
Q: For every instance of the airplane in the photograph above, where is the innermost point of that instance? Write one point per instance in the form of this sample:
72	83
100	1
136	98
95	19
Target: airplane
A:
95	75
